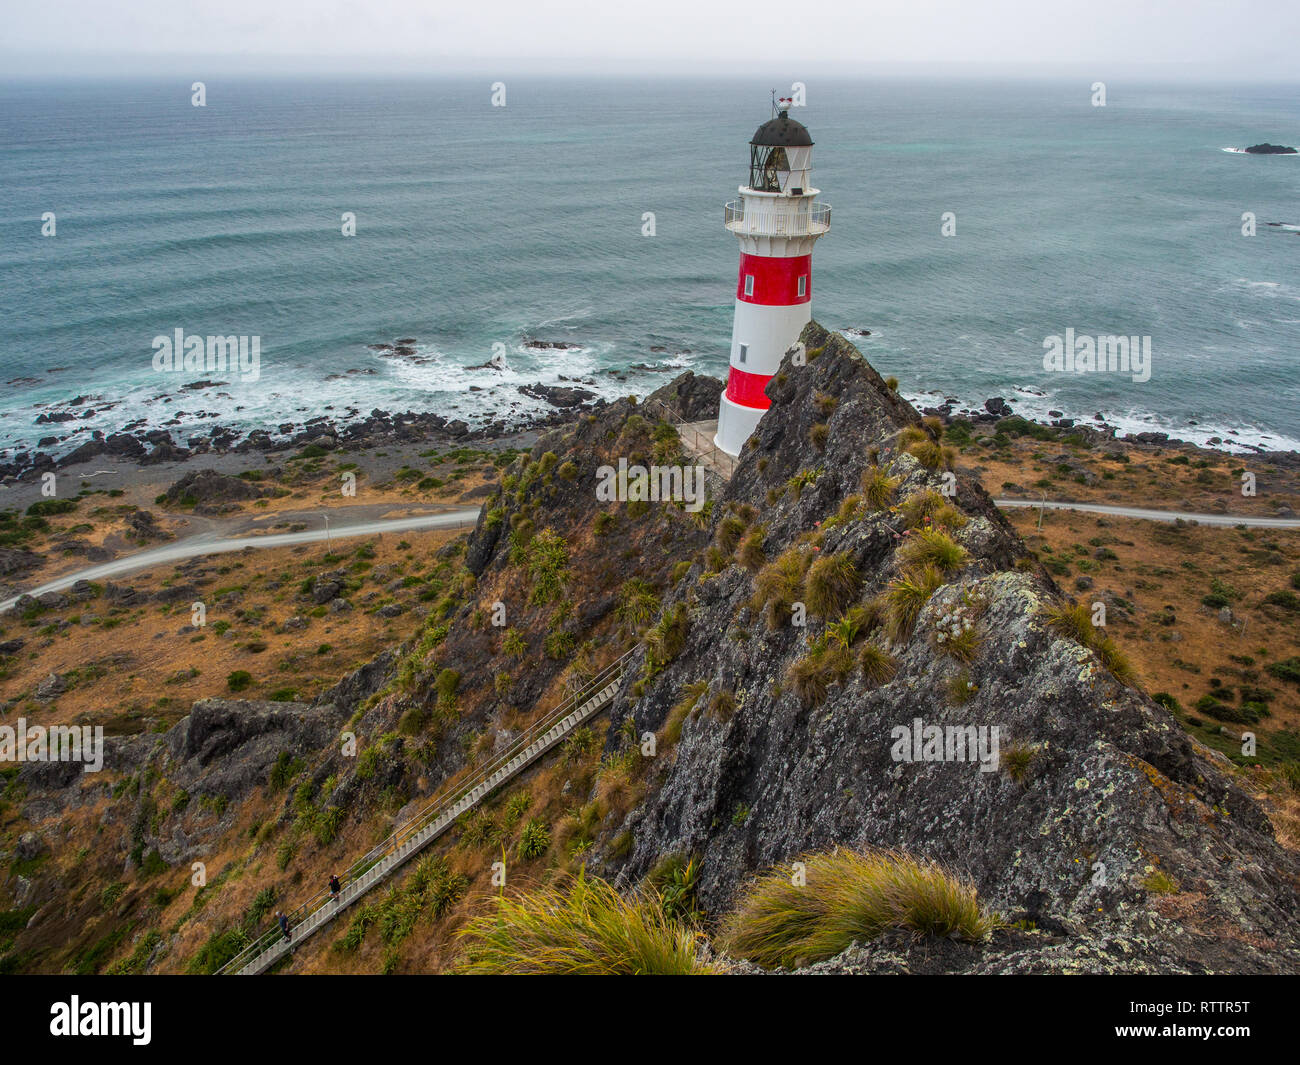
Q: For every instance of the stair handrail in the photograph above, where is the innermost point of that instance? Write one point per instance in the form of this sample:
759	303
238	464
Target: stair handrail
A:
446	797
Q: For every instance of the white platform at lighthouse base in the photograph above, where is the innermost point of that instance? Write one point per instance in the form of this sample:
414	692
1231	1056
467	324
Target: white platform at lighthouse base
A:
735	425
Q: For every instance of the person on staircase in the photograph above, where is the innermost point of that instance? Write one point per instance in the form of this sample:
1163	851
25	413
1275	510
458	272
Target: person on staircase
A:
284	925
335	886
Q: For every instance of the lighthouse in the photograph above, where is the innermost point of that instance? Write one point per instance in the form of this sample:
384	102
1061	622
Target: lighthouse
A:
777	220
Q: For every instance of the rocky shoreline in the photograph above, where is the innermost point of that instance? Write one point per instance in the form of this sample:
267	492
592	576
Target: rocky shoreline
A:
171	442
379	428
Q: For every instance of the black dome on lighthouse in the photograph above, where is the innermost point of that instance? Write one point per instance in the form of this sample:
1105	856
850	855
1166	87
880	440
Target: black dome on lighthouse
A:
784	132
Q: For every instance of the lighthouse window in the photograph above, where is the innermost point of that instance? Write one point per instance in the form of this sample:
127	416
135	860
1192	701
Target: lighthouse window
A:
749	284
803	285
744	351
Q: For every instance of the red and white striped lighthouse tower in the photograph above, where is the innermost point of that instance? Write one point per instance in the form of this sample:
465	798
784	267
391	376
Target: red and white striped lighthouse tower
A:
777	221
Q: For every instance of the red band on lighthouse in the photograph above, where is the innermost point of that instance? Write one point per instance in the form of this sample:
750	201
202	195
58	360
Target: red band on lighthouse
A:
774	280
747	389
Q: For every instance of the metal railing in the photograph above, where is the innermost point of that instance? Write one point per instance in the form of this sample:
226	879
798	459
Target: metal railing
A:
717	461
445	799
764	220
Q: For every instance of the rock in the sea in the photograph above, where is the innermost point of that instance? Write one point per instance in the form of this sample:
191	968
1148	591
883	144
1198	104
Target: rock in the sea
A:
558	395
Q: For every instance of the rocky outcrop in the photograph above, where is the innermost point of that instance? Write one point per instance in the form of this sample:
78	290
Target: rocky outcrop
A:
17	561
693	396
227	746
205	487
1110	797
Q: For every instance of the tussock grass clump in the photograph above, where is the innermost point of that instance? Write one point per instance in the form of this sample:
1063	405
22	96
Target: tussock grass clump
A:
949	517
921	505
779	585
1115	660
850	508
911	436
906	595
583	928
1017	761
878	487
871	614
671	731
722	705
850	896
961	689
829	662
730	530
666	639
826	404
932	547
832	583
878	666
933	455
818	435
750	554
1074	622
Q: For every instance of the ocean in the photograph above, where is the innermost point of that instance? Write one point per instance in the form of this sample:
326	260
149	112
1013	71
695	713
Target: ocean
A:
479	228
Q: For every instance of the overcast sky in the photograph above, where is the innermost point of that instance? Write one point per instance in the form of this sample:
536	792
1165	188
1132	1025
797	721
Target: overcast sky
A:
1210	38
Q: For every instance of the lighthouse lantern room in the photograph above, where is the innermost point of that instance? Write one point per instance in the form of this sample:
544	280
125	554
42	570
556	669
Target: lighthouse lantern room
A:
776	220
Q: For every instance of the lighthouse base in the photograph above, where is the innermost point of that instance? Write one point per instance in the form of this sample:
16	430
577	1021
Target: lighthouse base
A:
735	425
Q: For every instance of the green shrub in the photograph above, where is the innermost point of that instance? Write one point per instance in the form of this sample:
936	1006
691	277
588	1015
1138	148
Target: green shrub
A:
240	680
534	839
547	558
47	508
1286	669
636	602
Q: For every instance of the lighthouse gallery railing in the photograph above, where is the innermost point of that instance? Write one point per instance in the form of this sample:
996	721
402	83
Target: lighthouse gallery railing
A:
765	220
